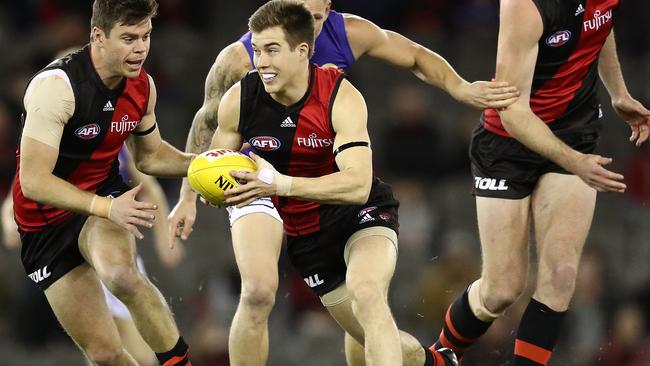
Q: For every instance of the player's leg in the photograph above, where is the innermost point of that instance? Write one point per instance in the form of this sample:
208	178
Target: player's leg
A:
78	303
257	240
131	338
562	207
503	227
371	266
111	251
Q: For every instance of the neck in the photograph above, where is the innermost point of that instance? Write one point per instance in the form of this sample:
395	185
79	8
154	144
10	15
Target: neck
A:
294	90
109	77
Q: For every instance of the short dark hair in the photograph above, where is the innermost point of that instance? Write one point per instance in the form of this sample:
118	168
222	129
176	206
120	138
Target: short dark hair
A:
292	15
108	13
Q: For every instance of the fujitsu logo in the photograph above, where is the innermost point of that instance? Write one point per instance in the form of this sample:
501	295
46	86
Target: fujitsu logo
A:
124	125
598	20
313	141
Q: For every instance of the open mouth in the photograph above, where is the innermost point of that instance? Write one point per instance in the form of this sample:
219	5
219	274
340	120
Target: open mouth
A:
135	63
268	77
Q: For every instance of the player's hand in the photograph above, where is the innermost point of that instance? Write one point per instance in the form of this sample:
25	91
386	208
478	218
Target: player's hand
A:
182	218
265	182
488	94
636	115
590	168
129	213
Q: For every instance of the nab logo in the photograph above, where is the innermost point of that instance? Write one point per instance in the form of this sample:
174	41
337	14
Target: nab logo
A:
313	281
40	274
265	143
558	38
224	183
490	184
88	132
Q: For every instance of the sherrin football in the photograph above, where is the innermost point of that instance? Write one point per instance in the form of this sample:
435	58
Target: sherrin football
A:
209	173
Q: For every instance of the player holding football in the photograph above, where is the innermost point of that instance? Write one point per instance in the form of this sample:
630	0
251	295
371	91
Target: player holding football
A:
341	223
341	40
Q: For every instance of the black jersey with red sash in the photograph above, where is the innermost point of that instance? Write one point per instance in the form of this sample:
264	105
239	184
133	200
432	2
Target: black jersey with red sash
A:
88	153
298	140
564	91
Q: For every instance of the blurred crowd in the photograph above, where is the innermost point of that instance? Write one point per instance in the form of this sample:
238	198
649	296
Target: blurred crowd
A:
420	140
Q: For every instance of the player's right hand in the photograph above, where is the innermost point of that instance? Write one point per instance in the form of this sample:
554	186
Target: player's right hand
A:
181	219
590	168
129	213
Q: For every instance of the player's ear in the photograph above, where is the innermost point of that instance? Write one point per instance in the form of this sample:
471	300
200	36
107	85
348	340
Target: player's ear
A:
97	35
303	48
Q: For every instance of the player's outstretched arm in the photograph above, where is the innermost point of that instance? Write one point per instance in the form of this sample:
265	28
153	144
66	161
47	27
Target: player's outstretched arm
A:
153	192
520	28
151	154
628	108
367	38
350	185
227	136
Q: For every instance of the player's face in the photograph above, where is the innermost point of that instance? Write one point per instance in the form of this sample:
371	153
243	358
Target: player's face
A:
320	9
274	59
127	47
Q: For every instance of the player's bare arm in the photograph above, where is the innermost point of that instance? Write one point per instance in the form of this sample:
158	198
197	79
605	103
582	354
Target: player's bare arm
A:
39	154
628	108
519	31
350	185
227	135
367	38
151	154
231	65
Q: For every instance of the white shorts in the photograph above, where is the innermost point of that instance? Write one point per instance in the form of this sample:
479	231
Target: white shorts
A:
117	307
261	205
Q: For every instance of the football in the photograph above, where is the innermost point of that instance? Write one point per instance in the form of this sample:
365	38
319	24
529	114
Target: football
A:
209	173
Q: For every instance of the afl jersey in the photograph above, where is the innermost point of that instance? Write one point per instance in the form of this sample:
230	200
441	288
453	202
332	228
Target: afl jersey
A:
331	47
564	91
298	140
92	138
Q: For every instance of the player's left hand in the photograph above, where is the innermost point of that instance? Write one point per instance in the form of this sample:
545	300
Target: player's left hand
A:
636	115
488	94
265	182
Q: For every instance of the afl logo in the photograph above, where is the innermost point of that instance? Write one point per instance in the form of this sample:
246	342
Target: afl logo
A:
558	38
88	132
265	143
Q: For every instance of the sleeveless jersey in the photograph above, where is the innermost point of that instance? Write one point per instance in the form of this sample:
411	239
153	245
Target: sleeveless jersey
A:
564	91
298	140
330	47
103	118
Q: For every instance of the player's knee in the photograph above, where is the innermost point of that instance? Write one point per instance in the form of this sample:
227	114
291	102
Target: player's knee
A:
259	297
367	297
104	353
562	278
124	281
498	296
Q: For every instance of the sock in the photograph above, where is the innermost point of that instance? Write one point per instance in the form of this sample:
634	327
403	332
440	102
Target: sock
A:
177	356
462	328
433	358
538	331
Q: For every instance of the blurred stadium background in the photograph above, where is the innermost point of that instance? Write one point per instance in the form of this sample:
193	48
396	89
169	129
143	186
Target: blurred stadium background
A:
420	138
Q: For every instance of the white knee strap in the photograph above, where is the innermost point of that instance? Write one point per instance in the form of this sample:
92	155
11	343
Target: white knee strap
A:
477	305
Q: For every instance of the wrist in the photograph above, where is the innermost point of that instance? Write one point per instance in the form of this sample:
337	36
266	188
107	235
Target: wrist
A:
101	206
283	184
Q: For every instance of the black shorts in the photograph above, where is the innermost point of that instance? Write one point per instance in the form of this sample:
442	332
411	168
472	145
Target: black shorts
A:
319	256
52	252
503	167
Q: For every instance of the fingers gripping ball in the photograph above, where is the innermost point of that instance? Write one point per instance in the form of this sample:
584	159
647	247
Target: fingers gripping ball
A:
209	173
